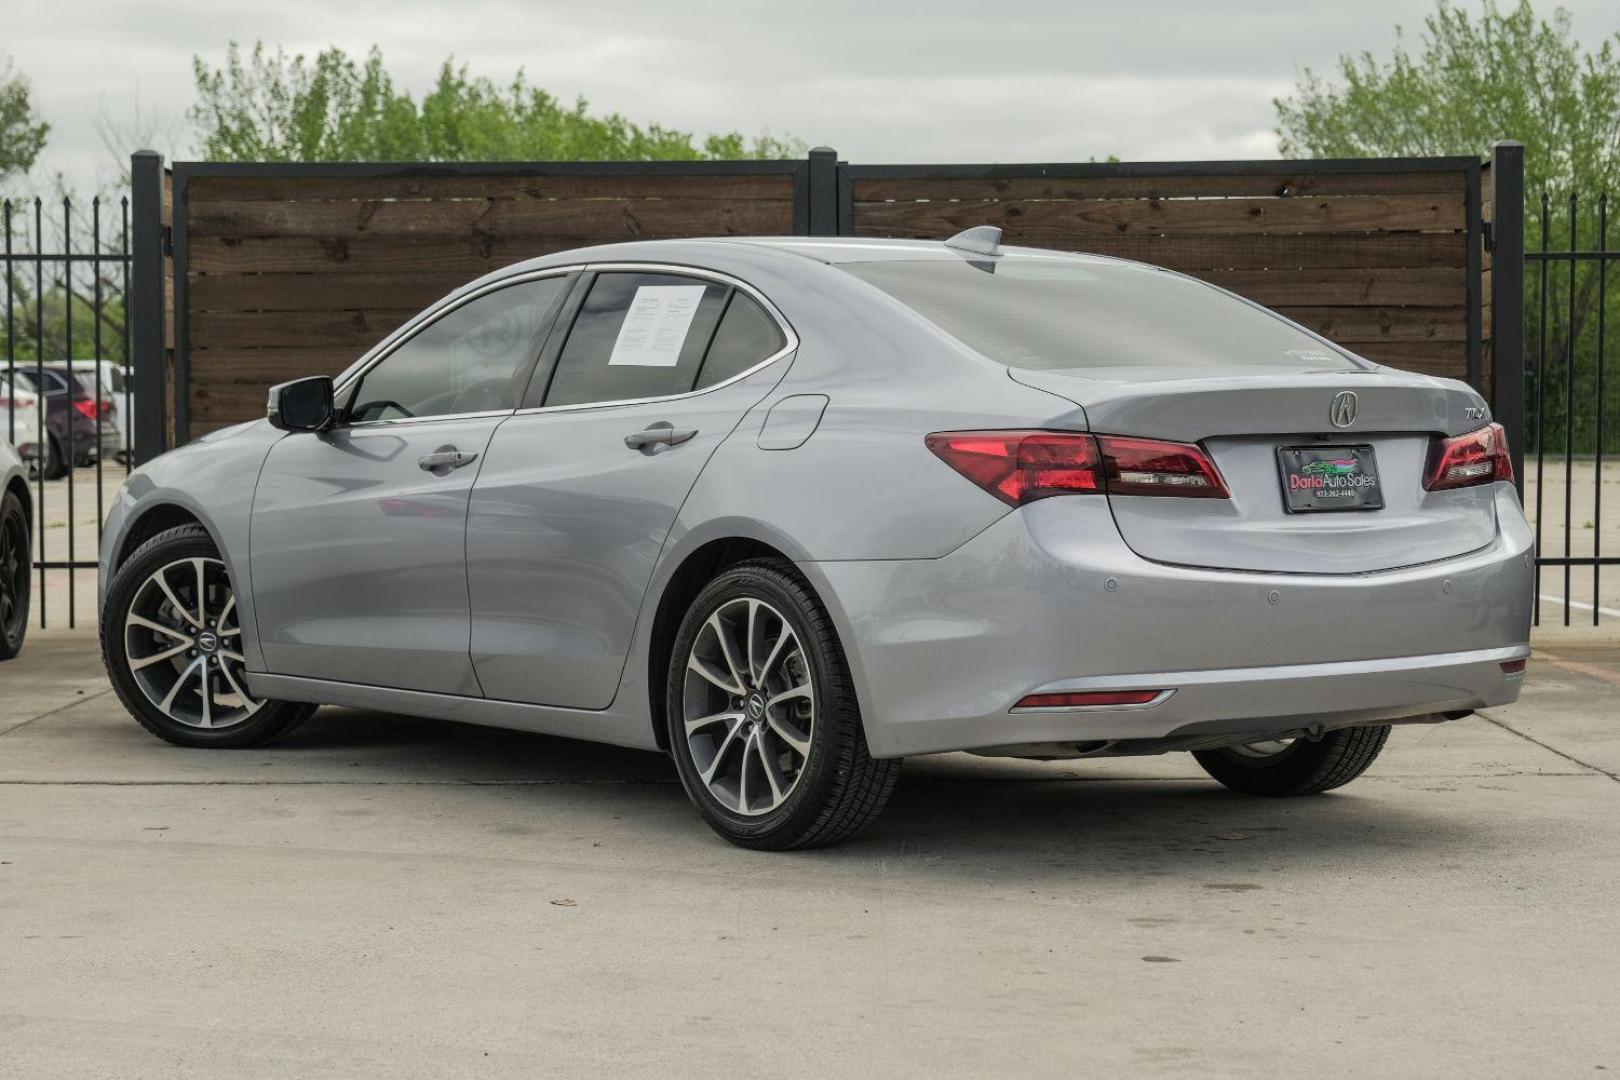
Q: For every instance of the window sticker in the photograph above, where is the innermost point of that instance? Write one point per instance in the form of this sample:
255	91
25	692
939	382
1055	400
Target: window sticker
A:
655	327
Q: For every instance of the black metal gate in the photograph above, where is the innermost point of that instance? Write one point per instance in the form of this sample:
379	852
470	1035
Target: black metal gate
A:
1552	284
65	389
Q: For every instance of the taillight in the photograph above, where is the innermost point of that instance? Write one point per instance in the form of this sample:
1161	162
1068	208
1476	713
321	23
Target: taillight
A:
1479	457
1018	467
1155	467
85	407
1021	466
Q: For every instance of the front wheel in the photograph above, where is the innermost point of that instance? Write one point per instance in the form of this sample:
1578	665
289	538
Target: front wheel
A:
172	641
1296	766
762	717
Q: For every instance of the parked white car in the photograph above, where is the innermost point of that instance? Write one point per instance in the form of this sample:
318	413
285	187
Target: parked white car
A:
20	420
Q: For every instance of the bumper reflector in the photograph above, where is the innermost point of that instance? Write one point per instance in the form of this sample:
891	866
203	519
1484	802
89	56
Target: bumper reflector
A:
1513	667
1081	699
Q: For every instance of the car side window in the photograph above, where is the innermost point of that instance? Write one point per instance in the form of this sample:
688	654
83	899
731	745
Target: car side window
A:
469	360
747	336
637	335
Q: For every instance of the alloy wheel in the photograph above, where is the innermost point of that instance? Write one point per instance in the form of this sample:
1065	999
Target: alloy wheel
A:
13	575
749	706
182	642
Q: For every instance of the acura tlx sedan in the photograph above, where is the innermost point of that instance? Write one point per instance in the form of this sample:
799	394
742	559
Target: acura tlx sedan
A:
791	510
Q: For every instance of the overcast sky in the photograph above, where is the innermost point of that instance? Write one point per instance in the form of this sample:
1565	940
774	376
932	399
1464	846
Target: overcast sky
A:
879	80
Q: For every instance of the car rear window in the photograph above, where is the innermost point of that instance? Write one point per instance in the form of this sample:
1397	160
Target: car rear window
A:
1047	314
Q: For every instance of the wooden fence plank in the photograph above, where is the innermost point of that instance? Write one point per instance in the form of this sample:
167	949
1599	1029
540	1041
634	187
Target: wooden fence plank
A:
263	368
1443	287
759	187
320	292
511	218
356	330
466	256
1281	184
1241	252
1380	213
1447	358
1381	323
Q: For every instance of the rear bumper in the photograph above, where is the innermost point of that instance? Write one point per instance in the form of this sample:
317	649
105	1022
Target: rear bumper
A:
1050	598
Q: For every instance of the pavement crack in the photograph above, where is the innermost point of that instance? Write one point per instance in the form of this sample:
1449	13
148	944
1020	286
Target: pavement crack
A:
74	704
1510	729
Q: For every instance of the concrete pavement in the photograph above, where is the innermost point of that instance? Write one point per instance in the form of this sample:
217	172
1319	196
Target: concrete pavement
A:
380	896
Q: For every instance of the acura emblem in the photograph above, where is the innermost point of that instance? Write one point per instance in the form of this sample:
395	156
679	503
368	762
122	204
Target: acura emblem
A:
1342	411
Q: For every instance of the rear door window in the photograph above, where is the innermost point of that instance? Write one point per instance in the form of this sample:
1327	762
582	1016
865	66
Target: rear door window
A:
638	335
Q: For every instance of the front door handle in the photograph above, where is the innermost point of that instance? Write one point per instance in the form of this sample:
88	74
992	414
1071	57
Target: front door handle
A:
662	433
446	459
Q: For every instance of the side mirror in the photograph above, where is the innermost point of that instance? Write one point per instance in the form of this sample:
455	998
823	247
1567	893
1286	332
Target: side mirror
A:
302	405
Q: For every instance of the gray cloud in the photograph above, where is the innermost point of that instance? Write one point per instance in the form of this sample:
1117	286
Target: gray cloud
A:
881	80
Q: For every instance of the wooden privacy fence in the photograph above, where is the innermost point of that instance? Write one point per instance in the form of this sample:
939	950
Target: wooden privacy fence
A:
281	270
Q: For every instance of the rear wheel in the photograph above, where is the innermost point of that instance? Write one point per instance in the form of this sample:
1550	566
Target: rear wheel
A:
1296	766
762	717
171	640
14	575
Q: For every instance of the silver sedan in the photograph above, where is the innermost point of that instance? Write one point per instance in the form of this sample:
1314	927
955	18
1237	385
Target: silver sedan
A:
791	510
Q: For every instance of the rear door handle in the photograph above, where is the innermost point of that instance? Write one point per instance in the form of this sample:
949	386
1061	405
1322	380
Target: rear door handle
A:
660	434
446	459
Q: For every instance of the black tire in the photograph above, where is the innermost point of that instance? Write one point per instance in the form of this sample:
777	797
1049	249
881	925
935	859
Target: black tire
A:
15	575
840	787
273	718
54	466
1304	768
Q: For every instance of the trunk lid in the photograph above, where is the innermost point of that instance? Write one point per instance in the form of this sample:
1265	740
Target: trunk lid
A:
1242	417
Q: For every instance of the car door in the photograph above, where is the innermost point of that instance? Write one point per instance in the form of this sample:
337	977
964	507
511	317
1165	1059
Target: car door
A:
358	551
582	485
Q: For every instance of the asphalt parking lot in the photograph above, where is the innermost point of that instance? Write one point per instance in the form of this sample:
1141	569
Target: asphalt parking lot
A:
382	896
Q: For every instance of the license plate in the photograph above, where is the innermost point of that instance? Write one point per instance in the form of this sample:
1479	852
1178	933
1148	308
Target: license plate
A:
1329	478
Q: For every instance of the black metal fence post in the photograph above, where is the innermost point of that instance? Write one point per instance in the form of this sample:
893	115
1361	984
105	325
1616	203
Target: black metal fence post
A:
823	191
1507	297
146	304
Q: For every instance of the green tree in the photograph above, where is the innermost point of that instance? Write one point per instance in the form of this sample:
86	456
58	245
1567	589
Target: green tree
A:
1471	80
22	132
267	106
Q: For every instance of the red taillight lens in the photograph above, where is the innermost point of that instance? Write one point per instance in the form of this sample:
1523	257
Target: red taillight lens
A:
1513	667
1021	466
1085	698
1155	467
85	408
1479	457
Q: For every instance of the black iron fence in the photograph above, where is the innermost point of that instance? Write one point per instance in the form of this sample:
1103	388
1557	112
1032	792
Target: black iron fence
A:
66	396
1571	404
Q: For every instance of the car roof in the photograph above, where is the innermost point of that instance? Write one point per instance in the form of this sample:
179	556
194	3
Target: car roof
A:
848	249
737	254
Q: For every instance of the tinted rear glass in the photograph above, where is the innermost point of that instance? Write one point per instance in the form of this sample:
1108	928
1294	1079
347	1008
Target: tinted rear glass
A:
1050	314
746	337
